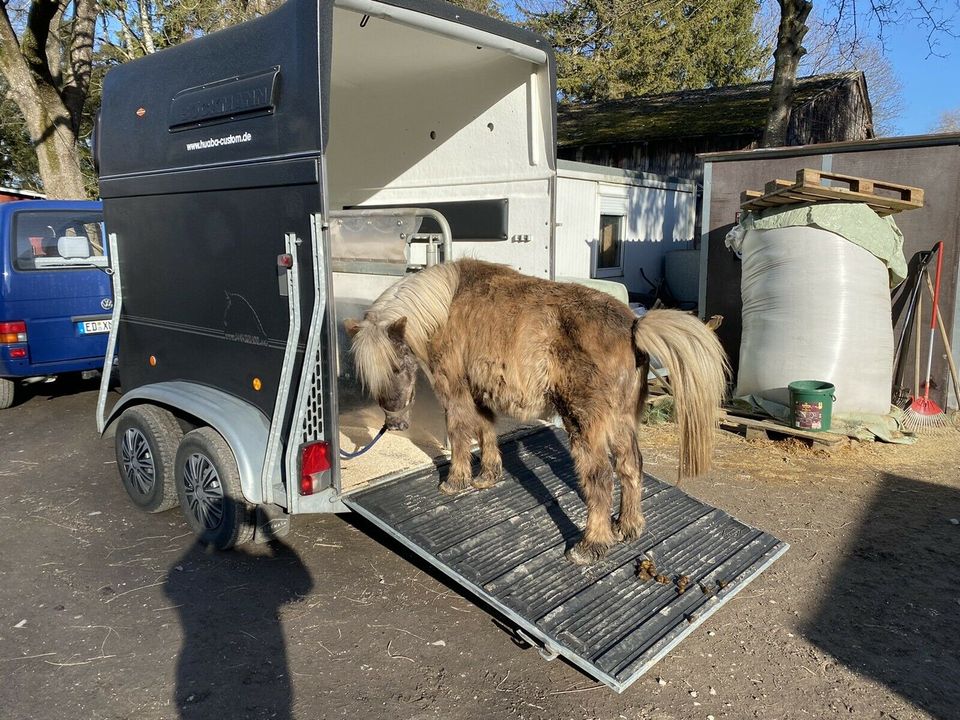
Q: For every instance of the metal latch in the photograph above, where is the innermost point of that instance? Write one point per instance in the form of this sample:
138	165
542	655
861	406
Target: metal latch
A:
547	651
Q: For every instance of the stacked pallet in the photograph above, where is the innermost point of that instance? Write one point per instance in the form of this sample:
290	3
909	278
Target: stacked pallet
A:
885	198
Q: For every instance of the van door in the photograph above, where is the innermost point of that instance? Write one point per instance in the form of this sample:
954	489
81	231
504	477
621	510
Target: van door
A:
59	284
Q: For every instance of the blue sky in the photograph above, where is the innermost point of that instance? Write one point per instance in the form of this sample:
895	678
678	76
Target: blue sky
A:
931	85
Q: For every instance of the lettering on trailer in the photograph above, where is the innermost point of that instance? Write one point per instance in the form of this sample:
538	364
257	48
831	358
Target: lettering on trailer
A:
230	99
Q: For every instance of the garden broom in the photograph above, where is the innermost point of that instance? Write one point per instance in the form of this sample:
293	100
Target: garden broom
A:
924	413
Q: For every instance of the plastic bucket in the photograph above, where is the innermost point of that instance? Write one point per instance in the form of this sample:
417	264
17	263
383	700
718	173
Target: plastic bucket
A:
811	404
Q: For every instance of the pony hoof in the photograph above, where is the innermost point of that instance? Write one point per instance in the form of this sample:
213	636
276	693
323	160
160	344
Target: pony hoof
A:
452	488
485	480
626	533
584	553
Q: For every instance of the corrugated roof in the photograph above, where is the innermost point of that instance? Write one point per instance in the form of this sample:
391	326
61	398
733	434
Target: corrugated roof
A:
729	110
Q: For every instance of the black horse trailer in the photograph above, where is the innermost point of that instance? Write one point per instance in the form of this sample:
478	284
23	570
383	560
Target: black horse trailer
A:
263	183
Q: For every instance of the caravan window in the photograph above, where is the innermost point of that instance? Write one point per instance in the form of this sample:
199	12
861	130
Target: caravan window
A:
41	238
610	246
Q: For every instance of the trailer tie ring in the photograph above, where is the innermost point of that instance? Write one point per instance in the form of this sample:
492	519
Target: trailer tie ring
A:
349	456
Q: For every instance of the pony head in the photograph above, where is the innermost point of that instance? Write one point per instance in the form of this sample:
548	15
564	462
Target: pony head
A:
386	365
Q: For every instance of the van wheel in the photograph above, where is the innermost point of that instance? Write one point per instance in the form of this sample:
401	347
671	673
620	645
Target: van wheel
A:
146	443
208	485
6	393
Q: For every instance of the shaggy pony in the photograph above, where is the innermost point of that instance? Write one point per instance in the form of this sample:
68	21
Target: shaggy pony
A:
496	341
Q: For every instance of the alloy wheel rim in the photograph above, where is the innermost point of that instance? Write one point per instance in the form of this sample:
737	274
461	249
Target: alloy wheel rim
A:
139	469
203	490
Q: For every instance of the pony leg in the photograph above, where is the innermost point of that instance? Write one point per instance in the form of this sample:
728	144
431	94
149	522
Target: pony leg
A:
460	423
589	451
491	465
629	465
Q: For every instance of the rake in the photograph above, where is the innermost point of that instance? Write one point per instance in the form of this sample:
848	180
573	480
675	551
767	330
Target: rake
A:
923	413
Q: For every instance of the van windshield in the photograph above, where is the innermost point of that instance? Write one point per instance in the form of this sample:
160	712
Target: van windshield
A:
58	240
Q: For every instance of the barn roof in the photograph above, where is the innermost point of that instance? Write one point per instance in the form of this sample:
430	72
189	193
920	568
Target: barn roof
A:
729	110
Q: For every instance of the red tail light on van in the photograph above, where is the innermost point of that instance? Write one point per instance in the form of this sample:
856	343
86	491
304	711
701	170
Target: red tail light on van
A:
314	461
13	332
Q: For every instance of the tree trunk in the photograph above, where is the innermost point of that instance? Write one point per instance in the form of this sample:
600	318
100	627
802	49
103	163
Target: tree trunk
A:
33	87
793	18
50	128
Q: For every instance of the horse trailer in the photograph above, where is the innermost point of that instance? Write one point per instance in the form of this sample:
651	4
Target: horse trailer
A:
262	184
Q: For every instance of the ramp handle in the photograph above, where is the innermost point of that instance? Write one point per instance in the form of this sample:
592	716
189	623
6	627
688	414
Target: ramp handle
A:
546	650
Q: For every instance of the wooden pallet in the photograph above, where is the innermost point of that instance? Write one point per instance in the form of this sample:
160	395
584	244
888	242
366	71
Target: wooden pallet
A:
884	198
754	427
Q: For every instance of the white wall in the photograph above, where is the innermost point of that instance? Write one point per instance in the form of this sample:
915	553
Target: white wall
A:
659	214
420	117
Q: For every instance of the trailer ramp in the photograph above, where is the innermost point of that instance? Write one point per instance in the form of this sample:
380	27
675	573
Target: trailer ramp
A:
506	545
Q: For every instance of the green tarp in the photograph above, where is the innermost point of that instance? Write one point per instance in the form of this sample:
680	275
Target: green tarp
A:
854	221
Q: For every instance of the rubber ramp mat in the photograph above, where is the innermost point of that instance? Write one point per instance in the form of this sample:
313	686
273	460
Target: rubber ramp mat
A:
506	544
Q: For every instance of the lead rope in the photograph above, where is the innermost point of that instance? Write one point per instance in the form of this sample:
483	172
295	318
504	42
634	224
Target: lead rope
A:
349	456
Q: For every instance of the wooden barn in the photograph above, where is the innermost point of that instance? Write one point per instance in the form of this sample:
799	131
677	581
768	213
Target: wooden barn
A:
663	134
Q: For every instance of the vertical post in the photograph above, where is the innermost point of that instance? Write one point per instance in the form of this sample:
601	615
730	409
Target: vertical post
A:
112	340
705	237
273	452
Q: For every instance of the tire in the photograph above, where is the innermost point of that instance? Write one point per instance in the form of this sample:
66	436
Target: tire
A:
7	391
208	485
146	443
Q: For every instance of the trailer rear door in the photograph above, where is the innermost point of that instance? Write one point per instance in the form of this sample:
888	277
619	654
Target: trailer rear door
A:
506	546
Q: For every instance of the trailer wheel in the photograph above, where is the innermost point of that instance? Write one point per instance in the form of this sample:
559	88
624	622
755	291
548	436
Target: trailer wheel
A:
6	393
146	443
208	485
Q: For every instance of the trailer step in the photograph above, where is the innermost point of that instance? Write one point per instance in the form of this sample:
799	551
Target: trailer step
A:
506	546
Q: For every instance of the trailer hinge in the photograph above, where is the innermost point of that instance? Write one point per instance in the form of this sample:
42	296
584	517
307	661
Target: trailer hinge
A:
547	651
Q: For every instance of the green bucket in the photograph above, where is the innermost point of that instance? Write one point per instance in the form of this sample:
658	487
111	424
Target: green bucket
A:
811	404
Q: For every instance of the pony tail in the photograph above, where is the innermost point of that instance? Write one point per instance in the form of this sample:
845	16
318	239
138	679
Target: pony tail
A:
698	369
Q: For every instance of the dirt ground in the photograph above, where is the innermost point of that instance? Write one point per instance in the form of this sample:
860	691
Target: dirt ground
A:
109	613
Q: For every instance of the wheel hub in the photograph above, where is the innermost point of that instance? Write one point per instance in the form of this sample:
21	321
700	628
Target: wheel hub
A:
204	493
139	470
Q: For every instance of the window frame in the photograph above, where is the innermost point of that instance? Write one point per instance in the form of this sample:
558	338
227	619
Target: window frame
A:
610	206
64	219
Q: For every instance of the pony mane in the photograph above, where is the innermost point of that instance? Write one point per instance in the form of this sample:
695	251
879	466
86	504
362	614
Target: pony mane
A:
424	300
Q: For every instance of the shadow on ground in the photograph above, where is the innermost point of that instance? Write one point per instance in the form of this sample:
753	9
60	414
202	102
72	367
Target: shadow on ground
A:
53	388
892	611
233	662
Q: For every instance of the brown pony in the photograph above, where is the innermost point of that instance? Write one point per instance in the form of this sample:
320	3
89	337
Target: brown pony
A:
496	341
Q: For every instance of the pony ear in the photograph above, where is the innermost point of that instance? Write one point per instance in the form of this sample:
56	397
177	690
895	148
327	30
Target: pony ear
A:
351	326
396	329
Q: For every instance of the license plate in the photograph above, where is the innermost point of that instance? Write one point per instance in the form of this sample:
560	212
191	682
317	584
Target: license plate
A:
92	327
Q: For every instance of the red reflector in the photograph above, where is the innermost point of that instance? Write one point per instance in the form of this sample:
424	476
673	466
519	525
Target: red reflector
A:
285	260
17	353
314	460
13	332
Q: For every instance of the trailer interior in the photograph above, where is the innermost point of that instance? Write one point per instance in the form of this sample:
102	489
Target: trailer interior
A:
428	113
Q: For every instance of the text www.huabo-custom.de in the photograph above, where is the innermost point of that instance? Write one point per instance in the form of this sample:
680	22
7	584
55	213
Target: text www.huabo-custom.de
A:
220	141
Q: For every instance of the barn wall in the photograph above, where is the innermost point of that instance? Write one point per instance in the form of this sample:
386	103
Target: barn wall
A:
839	115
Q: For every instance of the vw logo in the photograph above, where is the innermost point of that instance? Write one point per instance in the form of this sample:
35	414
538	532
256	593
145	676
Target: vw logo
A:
106	304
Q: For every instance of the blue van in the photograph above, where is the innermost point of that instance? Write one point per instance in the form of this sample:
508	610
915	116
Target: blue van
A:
55	291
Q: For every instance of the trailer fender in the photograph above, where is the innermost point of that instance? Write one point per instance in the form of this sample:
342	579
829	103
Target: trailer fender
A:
244	427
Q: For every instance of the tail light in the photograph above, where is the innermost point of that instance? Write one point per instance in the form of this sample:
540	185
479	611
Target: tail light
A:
314	462
13	332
